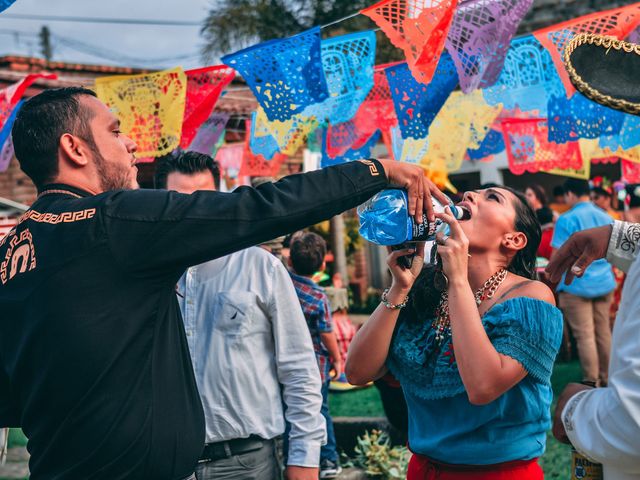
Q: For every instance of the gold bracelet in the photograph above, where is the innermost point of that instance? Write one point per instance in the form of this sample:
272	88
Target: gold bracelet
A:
392	306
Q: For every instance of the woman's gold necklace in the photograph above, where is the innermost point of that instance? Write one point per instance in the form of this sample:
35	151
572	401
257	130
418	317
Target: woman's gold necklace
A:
442	323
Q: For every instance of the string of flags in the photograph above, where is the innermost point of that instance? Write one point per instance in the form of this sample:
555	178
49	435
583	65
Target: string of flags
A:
150	107
10	102
465	77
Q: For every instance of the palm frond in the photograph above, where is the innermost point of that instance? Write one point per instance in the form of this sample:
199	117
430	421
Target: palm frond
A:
234	24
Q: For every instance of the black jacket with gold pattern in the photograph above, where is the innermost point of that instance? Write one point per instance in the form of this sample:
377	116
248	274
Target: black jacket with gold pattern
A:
94	363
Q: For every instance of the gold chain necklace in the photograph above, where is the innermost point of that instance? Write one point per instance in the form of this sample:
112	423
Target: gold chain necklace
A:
58	191
442	323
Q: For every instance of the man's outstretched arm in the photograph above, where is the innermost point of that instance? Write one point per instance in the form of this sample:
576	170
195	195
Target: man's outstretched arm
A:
153	231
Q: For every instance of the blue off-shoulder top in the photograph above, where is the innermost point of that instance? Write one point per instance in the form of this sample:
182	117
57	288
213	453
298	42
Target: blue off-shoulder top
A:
443	424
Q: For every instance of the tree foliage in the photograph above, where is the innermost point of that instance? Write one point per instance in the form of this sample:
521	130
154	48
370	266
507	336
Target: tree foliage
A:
234	24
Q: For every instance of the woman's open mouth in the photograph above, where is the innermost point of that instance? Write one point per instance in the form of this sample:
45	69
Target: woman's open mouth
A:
466	212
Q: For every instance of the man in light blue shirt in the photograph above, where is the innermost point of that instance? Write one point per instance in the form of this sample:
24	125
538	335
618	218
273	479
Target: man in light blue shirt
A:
587	301
251	353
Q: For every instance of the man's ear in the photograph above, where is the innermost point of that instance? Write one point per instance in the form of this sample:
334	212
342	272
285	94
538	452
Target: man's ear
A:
74	150
515	241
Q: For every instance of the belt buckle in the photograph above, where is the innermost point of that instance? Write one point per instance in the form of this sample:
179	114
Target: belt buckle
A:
216	451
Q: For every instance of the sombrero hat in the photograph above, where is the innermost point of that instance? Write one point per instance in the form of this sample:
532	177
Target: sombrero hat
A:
606	70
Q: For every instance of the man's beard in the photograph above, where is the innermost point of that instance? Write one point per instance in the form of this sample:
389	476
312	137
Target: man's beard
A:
112	176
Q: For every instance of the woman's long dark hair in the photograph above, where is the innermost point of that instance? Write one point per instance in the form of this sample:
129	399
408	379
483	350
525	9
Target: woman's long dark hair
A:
424	298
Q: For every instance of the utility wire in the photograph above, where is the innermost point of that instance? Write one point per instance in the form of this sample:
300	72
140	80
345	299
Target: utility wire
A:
94	50
340	20
6	31
127	21
99	52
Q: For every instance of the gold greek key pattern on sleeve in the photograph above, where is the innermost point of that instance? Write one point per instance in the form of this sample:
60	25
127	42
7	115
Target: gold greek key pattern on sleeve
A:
54	218
20	256
372	167
51	218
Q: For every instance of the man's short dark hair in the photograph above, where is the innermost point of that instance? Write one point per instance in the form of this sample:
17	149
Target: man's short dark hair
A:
41	122
601	192
578	187
307	252
186	163
558	191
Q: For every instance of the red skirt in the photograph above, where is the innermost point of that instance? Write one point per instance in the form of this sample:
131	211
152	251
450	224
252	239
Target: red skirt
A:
422	468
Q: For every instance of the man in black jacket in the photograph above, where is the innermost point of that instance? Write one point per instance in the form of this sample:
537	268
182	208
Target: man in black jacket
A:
94	364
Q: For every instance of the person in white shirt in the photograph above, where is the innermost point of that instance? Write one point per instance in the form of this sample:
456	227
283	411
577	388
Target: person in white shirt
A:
604	423
247	337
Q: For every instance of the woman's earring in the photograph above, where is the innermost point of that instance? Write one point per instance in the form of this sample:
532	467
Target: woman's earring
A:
440	280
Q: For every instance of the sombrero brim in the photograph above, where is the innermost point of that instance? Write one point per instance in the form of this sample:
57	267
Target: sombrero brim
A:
606	70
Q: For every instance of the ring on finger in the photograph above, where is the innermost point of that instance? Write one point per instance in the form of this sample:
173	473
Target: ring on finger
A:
442	240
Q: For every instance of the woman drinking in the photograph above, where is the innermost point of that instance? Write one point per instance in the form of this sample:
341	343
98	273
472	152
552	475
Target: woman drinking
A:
475	356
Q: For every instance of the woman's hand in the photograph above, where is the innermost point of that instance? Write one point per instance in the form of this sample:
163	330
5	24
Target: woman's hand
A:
453	250
404	278
369	349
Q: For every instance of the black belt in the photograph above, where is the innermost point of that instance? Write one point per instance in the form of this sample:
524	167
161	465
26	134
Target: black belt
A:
219	450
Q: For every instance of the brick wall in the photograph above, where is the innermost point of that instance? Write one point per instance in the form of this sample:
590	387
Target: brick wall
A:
16	186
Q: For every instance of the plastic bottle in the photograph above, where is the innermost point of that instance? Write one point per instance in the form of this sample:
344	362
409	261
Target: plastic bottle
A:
385	219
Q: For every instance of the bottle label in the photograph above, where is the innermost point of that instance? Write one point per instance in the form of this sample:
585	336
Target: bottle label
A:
584	469
423	231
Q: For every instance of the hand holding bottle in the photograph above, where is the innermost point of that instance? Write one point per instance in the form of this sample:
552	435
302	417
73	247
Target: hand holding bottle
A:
385	220
404	278
453	249
419	188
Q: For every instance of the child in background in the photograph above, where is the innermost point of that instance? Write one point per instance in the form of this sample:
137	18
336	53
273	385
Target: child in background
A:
306	256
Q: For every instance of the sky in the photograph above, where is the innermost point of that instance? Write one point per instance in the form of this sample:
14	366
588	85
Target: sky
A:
151	46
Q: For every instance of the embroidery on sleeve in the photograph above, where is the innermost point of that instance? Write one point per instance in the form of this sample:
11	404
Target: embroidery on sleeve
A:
567	418
629	238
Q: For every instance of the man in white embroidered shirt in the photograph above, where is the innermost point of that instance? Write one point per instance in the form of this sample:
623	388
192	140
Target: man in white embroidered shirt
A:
604	423
247	336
